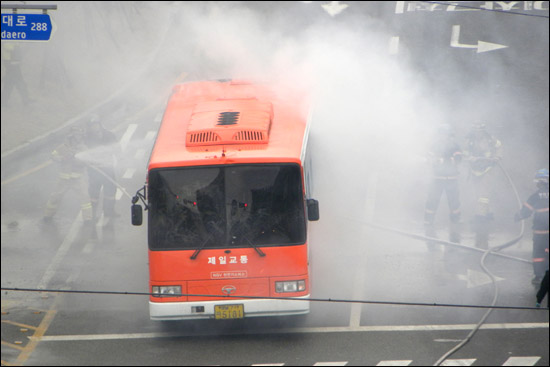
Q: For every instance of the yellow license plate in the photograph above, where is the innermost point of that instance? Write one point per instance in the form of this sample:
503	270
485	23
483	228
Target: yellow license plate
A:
229	312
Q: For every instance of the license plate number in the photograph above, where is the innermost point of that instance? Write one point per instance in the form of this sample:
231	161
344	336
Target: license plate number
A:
229	312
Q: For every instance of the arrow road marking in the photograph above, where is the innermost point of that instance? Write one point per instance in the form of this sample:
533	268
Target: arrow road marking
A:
334	8
481	45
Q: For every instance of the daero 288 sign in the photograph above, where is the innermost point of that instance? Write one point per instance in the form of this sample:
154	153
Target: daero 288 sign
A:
26	27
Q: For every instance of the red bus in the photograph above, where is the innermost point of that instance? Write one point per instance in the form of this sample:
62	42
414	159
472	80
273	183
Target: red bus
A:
228	207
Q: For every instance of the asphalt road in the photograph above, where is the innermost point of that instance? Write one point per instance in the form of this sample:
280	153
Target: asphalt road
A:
442	71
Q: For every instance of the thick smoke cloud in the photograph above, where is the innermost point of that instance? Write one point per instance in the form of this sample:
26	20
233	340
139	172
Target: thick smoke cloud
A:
374	113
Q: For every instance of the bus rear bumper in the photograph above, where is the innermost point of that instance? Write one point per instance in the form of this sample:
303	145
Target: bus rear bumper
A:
163	311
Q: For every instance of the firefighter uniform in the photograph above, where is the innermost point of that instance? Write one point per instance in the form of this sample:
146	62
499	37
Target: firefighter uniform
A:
537	204
71	177
13	78
543	290
445	156
483	154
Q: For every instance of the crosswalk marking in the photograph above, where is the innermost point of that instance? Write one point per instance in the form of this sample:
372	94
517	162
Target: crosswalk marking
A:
330	363
458	362
395	363
521	361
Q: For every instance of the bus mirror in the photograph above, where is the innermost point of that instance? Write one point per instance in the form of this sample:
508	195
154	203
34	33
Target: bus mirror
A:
312	209
137	215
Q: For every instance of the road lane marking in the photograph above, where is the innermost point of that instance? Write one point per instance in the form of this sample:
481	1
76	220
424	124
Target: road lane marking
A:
12	345
61	252
39	332
140	153
399	7
127	136
394	46
480	47
359	284
521	361
150	135
129	173
28	172
395	363
19	324
458	362
539	325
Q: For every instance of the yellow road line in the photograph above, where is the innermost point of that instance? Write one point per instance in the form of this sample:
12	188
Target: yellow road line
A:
18	324
39	332
11	345
180	77
28	172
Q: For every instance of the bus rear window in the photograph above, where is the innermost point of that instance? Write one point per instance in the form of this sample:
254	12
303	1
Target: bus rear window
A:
226	206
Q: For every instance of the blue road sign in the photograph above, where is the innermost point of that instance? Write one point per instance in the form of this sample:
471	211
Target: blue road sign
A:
26	27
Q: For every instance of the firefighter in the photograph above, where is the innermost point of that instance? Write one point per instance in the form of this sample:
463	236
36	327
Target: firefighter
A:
543	291
483	154
13	78
537	203
71	176
445	156
101	170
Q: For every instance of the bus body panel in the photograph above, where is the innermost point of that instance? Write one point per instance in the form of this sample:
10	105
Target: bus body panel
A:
205	309
219	276
177	265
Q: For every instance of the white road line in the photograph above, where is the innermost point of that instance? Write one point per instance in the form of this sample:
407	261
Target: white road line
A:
394	45
129	173
89	247
140	153
118	194
61	252
521	361
458	362
127	136
150	135
540	325
331	363
395	363
359	284
399	7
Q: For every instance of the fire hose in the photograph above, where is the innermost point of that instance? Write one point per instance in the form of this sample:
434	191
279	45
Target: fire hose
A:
490	251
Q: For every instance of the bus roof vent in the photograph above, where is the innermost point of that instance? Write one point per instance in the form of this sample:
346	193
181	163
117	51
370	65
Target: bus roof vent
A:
228	118
237	121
